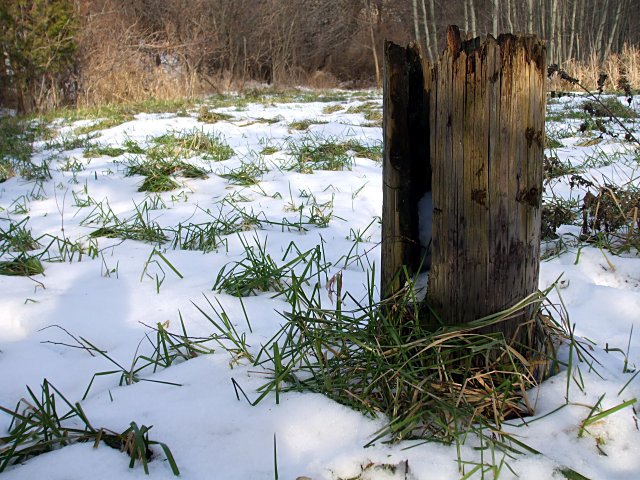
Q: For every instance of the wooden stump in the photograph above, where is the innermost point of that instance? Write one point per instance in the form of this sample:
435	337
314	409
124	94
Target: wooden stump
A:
485	106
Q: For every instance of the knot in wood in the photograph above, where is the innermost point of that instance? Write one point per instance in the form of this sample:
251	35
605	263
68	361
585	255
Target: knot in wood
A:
479	195
530	197
533	135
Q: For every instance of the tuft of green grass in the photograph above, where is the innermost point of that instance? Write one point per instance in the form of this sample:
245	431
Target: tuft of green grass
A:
247	174
158	182
554	168
372	112
16	238
137	227
170	348
556	212
6	171
313	152
187	143
332	109
259	272
205	237
22	265
16	140
594	417
210	235
65	143
40	425
269	150
158	170
128	375
312	212
209	116
567	113
552	142
95	150
305	124
104	123
611	217
228	337
372	152
131	146
268	121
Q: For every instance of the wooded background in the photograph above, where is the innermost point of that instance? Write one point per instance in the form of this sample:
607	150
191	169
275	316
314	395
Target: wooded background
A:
83	52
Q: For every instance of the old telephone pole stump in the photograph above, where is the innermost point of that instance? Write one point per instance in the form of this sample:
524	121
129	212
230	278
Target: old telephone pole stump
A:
470	129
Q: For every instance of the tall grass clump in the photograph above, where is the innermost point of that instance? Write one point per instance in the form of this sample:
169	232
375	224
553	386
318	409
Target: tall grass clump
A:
431	383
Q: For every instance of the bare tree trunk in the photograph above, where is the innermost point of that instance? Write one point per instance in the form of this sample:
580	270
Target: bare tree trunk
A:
598	41
427	39
416	26
494	24
367	6
509	19
553	44
572	32
530	17
543	20
466	17
614	27
433	30
581	27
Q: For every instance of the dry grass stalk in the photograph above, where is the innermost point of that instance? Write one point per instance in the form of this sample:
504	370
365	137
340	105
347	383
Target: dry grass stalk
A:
616	66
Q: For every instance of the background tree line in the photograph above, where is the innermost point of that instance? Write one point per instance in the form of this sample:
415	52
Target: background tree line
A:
81	52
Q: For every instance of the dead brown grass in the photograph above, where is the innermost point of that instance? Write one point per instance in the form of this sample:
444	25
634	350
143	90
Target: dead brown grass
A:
121	64
616	66
125	61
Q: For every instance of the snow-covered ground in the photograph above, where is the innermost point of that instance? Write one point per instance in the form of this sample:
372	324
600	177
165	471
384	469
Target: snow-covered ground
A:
119	289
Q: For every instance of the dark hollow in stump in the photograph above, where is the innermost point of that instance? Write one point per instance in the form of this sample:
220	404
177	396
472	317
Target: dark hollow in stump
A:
471	129
406	167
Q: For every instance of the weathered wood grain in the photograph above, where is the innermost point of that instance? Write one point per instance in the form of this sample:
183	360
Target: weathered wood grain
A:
484	102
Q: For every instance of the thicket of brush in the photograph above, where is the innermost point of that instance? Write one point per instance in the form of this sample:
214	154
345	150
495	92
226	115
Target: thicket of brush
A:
92	52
